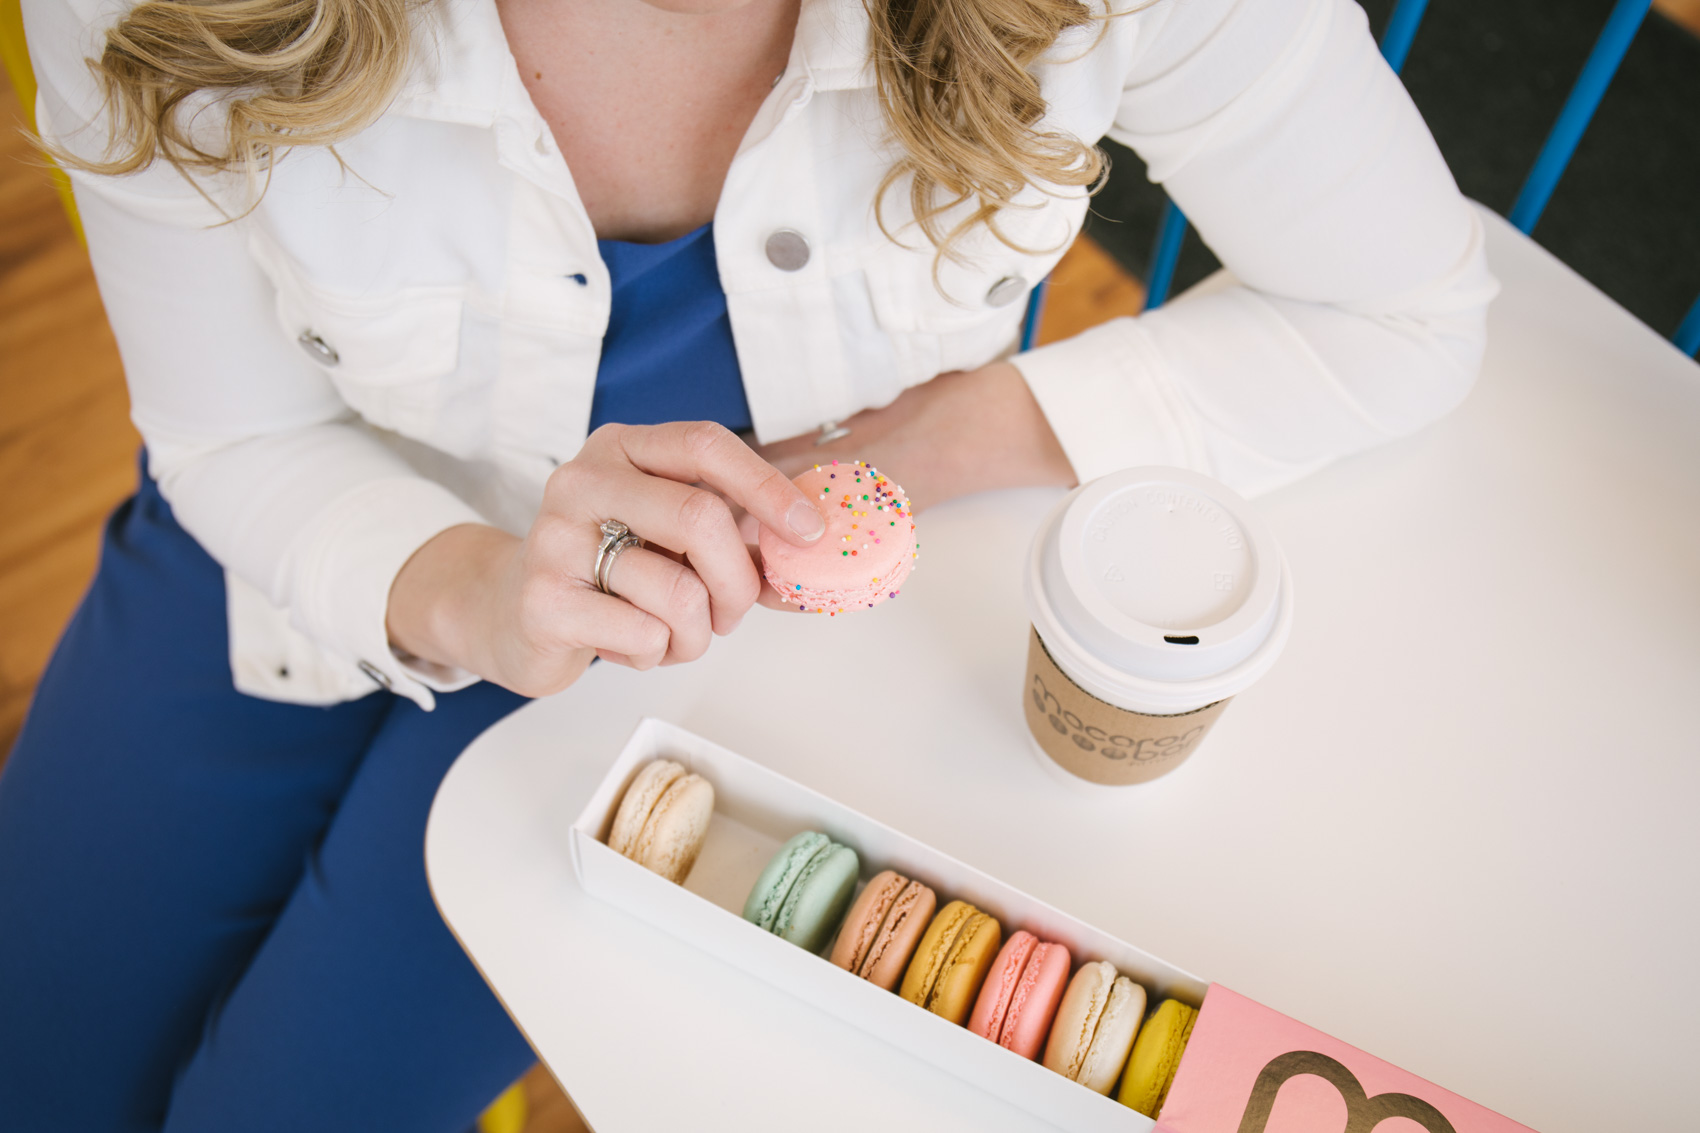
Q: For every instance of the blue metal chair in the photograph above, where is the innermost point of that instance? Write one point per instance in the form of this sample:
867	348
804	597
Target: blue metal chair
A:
1619	32
1597	73
1035	312
1687	337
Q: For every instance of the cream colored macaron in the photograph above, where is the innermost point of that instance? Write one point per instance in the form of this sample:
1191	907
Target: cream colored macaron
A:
1095	1026
663	819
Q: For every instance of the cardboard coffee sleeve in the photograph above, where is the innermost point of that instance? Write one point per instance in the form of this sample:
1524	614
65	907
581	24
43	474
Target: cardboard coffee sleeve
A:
1097	741
1156	596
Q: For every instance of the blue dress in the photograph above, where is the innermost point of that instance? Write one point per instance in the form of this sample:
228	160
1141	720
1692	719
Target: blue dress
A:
213	909
667	354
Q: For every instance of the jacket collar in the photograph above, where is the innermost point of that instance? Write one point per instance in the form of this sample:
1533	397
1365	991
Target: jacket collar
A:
462	69
832	44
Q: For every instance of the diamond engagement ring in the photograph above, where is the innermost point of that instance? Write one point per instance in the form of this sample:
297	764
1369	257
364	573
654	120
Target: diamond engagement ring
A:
616	537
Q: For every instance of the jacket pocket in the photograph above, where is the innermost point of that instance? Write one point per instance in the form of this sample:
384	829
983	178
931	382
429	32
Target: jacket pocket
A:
976	298
393	357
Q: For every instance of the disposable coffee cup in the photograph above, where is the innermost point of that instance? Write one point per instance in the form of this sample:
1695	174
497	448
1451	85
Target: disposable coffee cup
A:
1156	596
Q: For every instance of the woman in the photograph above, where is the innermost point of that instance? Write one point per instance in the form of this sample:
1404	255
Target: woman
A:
377	271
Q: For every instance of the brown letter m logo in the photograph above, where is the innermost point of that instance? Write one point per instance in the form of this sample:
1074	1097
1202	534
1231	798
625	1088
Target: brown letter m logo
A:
1362	1113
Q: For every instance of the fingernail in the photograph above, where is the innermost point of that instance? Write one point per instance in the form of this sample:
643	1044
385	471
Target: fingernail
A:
805	520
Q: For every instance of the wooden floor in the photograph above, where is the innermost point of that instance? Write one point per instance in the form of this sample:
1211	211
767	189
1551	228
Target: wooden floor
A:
67	450
1684	12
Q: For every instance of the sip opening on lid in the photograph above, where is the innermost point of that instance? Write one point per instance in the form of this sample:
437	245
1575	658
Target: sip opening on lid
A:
1158	590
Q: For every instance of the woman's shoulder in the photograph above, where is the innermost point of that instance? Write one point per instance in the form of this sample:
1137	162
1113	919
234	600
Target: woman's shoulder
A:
72	112
62	36
154	123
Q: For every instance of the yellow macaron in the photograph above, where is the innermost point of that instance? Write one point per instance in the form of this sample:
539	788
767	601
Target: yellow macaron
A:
951	961
1156	1056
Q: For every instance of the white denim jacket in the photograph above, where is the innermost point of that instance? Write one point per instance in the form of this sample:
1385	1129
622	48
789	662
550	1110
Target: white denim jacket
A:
407	339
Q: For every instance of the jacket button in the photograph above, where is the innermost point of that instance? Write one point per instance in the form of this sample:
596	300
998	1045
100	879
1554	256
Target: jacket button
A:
377	675
1006	291
787	250
320	350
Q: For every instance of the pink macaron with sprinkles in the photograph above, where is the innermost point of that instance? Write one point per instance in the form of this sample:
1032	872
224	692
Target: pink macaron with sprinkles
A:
866	553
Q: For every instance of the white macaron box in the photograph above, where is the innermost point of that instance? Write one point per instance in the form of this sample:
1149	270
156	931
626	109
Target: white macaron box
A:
1236	1062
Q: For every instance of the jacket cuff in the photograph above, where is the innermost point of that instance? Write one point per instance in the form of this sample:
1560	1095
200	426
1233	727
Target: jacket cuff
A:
1111	406
355	550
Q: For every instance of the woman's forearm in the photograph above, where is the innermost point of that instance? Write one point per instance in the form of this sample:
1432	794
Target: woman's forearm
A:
965	431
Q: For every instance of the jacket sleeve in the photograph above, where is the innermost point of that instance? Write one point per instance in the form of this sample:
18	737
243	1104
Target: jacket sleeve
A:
259	457
1353	305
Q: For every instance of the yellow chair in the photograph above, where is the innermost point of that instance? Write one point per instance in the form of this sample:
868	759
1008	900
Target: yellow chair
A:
17	60
507	1114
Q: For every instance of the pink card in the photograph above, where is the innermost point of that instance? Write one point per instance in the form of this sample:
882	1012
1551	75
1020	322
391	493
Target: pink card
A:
1248	1069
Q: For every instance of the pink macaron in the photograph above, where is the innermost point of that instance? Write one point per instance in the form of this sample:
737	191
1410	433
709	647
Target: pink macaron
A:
1020	996
866	553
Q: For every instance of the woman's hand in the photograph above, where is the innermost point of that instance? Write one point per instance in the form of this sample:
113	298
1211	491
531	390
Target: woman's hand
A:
965	431
527	614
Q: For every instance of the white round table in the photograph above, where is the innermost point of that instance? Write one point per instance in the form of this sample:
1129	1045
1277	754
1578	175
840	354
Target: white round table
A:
1454	826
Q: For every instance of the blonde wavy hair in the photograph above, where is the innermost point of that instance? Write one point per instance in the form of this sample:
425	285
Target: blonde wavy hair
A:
957	94
953	79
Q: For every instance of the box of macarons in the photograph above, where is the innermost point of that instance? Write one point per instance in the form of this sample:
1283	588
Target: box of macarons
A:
1082	1030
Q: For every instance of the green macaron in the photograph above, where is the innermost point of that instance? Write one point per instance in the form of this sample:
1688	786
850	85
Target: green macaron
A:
803	893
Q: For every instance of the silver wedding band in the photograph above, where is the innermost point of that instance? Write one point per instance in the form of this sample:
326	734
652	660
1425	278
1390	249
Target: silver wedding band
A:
616	537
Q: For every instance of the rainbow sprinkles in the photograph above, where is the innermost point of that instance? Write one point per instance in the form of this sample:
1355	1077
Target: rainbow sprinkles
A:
868	549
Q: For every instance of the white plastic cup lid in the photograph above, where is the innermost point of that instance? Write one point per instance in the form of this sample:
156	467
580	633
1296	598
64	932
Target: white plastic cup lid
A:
1161	587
